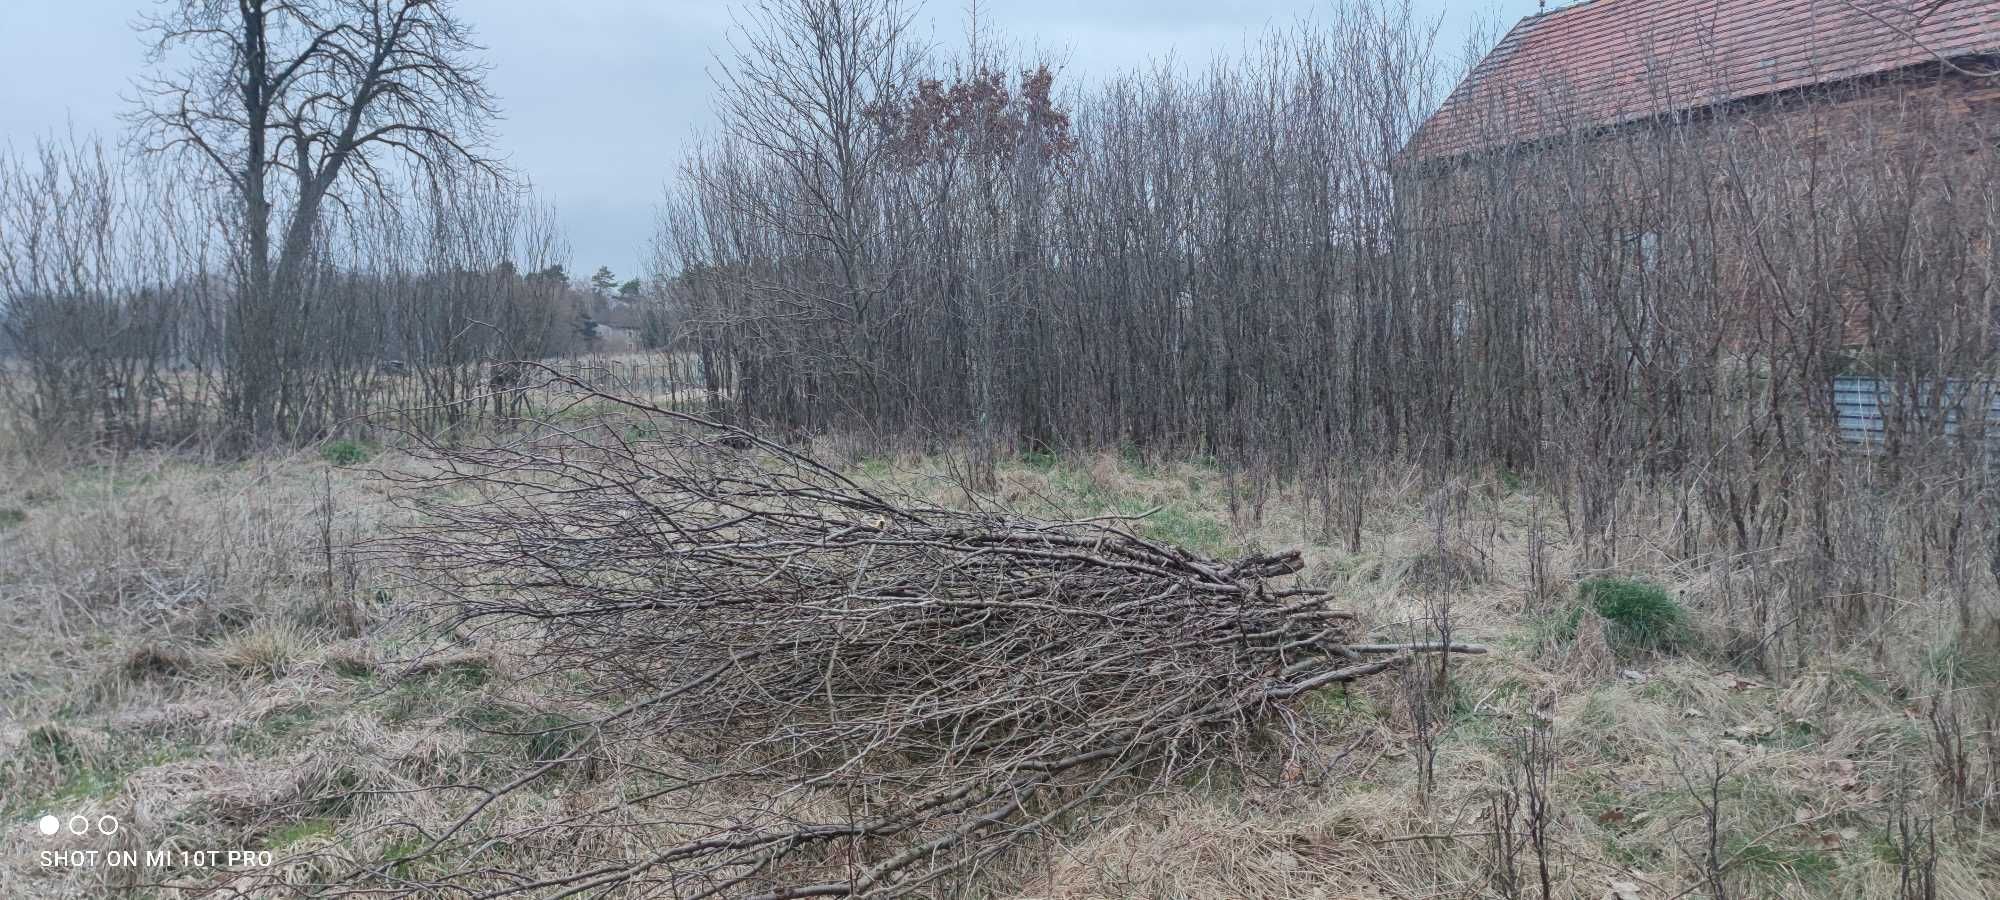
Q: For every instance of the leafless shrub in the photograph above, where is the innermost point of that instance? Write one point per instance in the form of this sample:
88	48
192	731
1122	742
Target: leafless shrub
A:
1420	703
1541	581
1952	747
1913	835
1505	841
1529	782
1703	782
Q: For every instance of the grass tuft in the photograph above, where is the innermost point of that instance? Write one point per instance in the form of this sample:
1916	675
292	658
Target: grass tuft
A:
268	651
345	453
1641	615
1446	570
1963	664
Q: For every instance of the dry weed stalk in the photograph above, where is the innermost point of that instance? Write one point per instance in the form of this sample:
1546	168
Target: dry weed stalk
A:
888	692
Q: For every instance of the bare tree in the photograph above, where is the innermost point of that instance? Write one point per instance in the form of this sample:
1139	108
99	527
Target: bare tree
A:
798	91
297	108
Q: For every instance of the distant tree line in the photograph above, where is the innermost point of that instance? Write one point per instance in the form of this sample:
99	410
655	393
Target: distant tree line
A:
311	230
121	294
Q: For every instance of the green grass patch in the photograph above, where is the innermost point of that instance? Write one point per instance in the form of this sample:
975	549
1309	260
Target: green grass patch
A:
465	671
10	516
490	717
346	452
106	480
56	768
1642	616
56	745
1178	525
1552	628
399	852
1782	863
336	795
1865	683
1040	460
875	468
409	701
439	687
1444	569
297	833
539	737
1599	712
92	784
1133	458
1345	569
1477	724
1073	491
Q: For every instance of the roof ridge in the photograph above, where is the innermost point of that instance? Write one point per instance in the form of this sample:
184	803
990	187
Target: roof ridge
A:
1574	5
1632	58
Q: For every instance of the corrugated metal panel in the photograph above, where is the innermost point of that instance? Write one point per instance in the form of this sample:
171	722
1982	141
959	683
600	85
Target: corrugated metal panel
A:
1867	408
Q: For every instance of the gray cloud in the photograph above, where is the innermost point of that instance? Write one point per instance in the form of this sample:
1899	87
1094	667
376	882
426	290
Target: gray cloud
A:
603	96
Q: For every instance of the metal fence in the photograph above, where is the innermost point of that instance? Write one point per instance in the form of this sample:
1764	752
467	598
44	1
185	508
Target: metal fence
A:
1873	412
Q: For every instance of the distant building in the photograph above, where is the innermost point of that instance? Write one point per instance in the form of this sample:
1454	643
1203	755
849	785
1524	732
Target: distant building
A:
1618	73
1602	64
619	339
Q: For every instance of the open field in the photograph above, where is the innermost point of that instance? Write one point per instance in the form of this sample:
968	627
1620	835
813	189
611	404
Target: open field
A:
182	407
194	648
1353	454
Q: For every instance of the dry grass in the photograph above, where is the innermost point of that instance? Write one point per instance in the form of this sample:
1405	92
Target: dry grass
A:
171	654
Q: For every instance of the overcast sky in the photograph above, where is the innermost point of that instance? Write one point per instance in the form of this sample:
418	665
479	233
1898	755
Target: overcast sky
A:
601	96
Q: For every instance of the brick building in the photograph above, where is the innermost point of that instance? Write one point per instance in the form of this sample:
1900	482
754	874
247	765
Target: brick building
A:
1602	64
1621	116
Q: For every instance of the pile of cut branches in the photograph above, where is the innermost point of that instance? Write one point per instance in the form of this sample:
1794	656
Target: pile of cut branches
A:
830	692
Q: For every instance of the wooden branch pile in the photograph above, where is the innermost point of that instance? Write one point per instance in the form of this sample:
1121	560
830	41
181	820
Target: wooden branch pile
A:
891	692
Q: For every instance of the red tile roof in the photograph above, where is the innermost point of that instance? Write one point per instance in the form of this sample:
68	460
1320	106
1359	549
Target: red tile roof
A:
1603	62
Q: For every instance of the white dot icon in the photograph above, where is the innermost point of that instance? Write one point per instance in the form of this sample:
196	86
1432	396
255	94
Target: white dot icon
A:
51	825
